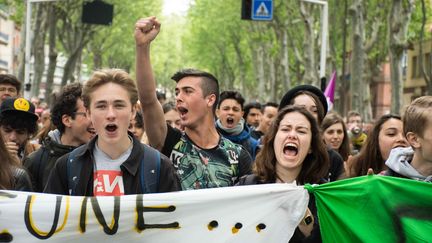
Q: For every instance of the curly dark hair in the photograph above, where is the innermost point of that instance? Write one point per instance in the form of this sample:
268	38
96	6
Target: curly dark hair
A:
19	121
65	104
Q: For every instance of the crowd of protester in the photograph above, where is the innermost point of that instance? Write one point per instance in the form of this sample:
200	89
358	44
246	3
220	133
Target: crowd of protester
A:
124	129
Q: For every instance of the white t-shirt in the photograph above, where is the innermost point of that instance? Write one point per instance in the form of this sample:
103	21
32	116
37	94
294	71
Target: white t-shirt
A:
107	176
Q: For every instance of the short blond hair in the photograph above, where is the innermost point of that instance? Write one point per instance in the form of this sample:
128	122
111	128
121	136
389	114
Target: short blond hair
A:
417	115
105	76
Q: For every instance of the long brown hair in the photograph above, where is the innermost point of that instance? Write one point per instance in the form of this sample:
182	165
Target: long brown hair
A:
314	167
370	154
7	163
333	118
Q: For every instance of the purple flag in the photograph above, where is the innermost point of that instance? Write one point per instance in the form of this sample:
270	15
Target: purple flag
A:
330	91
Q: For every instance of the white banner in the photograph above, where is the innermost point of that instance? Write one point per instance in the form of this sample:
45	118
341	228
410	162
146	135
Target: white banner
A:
261	213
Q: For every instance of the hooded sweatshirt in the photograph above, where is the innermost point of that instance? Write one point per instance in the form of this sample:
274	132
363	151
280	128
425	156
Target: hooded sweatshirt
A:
399	164
39	163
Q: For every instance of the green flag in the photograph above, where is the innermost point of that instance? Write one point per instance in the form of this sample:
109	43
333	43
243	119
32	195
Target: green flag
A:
375	209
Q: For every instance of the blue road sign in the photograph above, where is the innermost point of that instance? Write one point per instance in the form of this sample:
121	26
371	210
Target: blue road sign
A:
262	10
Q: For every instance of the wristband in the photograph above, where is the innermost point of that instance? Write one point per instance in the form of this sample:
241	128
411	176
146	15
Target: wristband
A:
307	220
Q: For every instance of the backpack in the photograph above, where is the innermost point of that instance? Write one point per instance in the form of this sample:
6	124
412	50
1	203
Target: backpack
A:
149	170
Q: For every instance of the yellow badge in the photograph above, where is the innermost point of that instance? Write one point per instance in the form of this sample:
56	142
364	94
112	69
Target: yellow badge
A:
22	104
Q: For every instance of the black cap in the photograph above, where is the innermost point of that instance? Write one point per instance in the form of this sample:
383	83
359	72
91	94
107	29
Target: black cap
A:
18	105
286	99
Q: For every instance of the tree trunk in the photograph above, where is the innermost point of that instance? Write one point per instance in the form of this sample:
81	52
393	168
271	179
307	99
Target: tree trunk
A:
344	86
73	37
311	70
285	72
52	20
39	49
78	69
97	58
21	55
272	79
425	71
357	58
399	19
69	67
260	73
241	63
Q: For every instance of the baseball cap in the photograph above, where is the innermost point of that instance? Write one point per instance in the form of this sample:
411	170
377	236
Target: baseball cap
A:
20	106
286	99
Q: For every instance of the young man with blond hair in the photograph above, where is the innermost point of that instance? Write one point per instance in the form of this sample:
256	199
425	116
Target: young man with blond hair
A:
113	162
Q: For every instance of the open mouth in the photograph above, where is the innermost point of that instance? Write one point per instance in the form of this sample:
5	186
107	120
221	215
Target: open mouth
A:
230	121
182	111
290	149
92	131
111	127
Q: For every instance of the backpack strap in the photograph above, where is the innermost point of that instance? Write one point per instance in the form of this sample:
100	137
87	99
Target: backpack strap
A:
150	170
74	170
42	159
254	147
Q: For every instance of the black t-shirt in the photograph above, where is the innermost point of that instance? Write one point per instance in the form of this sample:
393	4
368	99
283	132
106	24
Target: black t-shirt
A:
336	165
200	168
298	235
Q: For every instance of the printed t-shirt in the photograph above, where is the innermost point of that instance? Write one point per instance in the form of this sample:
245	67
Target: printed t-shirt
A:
107	175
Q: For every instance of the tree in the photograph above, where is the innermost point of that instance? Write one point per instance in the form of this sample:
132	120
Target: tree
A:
425	68
52	51
398	21
38	48
73	37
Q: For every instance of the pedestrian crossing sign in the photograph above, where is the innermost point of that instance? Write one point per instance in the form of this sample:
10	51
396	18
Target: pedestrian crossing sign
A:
262	10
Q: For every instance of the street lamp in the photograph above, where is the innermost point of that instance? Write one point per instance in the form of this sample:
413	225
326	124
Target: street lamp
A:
28	35
324	31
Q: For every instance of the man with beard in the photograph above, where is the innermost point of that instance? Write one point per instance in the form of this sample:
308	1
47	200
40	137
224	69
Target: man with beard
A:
73	129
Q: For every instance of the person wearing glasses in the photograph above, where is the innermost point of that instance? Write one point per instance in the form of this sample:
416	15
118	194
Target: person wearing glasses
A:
74	128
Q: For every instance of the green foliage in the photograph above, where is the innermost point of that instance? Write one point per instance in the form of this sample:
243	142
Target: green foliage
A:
213	37
15	8
414	28
115	44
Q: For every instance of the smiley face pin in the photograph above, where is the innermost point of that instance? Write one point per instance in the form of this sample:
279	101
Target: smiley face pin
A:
22	104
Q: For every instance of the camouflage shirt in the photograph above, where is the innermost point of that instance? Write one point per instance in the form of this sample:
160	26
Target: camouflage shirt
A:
200	168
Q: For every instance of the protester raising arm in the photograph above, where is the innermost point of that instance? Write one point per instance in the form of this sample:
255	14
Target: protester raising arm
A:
146	30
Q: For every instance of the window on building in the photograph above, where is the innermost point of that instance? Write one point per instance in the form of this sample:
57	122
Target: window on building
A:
414	67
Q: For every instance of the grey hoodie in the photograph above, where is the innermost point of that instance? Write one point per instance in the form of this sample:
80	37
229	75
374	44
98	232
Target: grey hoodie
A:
399	161
55	136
